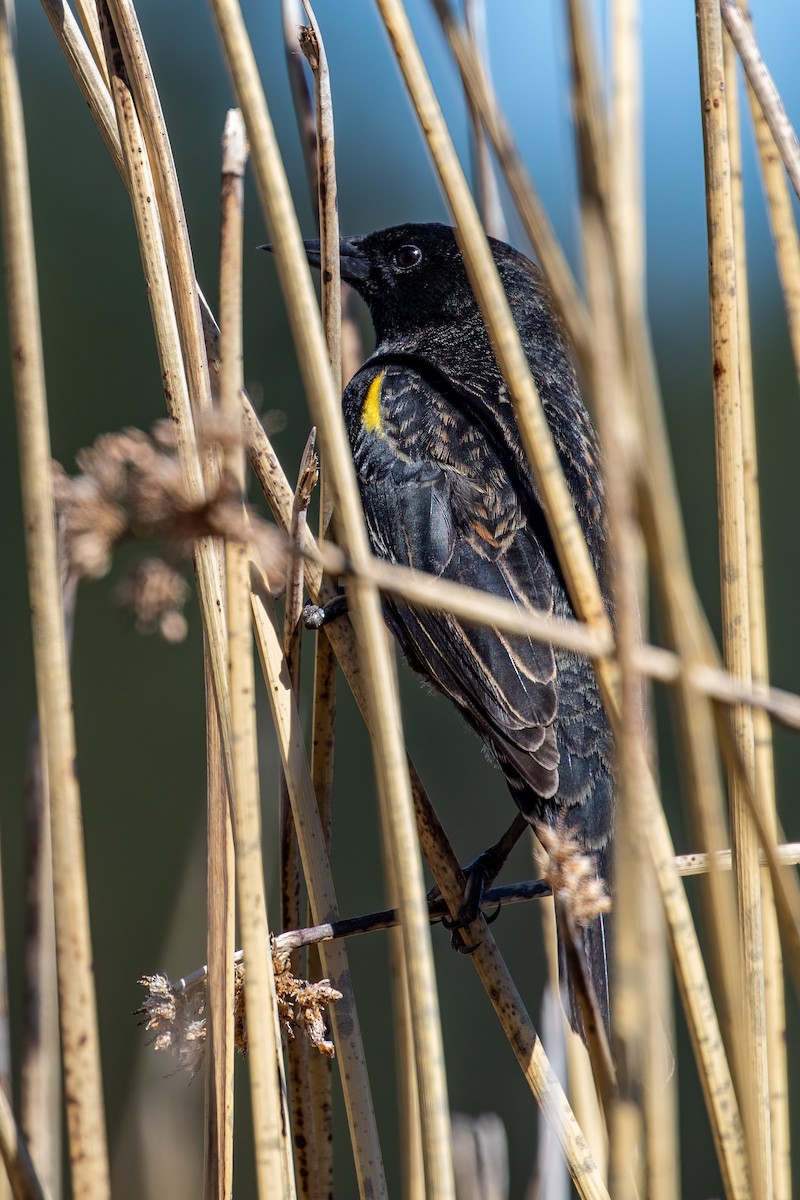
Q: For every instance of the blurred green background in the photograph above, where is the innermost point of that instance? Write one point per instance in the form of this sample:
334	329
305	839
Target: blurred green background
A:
139	703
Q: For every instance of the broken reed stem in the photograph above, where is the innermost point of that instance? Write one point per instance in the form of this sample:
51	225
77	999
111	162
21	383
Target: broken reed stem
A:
77	1007
763	762
764	89
581	580
477	86
726	360
273	1154
392	772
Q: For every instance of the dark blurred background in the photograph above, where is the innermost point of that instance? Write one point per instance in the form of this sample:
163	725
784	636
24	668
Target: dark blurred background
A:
139	703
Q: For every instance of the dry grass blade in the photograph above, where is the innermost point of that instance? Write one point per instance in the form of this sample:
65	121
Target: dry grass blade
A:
726	357
393	785
764	89
763	763
79	1037
5	1035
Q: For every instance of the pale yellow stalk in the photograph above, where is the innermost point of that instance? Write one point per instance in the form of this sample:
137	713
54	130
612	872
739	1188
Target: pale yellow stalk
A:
77	1008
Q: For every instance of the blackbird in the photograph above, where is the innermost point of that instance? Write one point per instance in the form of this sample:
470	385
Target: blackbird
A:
447	488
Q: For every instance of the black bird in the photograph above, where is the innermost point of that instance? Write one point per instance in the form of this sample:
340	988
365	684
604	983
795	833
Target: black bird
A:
447	488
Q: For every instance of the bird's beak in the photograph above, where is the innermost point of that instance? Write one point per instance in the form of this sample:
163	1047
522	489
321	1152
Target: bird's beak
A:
354	264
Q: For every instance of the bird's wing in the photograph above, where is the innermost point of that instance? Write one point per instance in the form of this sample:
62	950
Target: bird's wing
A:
504	684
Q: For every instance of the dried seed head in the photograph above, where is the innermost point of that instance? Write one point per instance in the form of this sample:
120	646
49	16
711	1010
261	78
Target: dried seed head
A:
572	874
156	593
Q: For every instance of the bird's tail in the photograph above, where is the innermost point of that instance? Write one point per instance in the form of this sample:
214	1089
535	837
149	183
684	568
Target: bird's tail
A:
595	941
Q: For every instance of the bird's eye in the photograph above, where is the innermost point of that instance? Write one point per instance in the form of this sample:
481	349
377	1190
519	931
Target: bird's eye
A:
408	256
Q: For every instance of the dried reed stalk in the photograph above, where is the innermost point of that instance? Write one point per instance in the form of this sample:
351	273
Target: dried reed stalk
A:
77	1010
321	172
619	438
763	762
40	1077
221	846
723	285
393	785
764	89
220	937
304	1145
274	1166
625	217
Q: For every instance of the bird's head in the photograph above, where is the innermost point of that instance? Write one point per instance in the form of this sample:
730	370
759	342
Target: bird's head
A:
411	276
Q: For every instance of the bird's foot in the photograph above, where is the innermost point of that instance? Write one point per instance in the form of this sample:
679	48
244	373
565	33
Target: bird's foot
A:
317	615
480	875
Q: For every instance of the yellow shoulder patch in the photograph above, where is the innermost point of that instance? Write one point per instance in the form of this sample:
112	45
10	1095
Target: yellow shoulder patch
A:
371	412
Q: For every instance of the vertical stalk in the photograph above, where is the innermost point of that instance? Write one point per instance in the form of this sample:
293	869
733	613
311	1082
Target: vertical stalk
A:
733	569
40	1091
321	172
625	215
77	1006
274	1173
763	761
221	943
